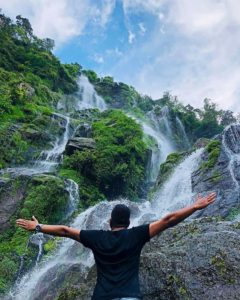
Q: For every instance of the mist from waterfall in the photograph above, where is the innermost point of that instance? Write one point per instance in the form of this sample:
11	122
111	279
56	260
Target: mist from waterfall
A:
175	194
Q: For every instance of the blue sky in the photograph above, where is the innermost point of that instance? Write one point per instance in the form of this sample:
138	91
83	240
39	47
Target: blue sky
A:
190	48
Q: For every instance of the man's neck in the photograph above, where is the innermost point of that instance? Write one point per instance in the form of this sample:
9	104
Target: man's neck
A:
118	228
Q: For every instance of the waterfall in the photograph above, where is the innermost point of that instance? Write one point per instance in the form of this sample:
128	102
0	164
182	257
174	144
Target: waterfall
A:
48	159
175	193
177	190
183	133
159	153
86	97
151	127
165	120
73	190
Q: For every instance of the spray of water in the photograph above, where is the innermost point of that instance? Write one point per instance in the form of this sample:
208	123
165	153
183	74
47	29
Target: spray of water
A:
174	194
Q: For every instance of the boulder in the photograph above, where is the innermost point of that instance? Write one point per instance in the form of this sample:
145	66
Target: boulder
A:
12	193
79	143
195	260
26	87
83	130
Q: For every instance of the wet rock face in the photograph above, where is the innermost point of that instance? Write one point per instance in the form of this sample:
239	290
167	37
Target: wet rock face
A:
12	192
195	260
223	177
233	138
79	143
84	130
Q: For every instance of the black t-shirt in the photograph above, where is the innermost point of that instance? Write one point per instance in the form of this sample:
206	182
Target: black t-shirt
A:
117	255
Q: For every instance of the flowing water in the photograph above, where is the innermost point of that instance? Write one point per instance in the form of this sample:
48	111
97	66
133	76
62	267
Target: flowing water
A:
162	135
175	193
183	133
85	98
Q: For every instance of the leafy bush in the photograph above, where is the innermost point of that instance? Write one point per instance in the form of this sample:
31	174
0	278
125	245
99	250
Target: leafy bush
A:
213	149
116	166
46	199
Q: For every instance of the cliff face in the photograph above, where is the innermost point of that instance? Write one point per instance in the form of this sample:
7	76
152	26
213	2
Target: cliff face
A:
196	260
219	171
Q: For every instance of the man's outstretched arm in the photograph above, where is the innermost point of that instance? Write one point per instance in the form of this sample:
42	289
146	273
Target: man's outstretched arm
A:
56	230
176	217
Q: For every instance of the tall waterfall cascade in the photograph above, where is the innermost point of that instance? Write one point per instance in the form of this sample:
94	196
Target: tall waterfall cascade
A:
153	128
86	97
175	193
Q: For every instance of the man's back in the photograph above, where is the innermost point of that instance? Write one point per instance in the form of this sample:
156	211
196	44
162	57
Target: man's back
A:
117	255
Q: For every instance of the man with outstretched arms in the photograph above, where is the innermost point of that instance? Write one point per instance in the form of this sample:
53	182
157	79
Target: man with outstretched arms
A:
117	251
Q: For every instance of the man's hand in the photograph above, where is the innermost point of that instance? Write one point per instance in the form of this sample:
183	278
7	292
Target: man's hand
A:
27	224
56	230
176	217
202	202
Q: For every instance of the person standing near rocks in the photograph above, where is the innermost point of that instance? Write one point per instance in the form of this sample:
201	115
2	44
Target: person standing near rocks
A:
117	251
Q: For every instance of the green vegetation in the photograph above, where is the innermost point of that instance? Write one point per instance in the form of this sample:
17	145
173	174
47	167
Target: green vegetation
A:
213	149
47	199
167	167
89	194
31	81
222	267
116	167
119	94
233	214
205	122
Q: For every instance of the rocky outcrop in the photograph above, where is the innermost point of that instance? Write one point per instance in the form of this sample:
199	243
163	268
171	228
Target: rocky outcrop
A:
84	130
195	260
12	193
219	171
79	143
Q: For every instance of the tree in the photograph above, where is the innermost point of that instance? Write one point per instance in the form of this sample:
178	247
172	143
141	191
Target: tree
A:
25	24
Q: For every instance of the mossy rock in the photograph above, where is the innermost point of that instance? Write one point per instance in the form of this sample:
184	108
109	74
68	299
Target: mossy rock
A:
168	166
213	149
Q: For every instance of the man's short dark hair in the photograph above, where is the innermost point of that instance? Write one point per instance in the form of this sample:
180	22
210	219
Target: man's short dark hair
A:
120	216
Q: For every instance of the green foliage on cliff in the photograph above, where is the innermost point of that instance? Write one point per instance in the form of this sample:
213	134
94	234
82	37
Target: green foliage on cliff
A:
31	81
213	150
116	166
119	94
46	198
205	122
31	77
168	166
89	194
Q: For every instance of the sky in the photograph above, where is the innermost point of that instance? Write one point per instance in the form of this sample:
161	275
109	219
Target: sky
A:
188	48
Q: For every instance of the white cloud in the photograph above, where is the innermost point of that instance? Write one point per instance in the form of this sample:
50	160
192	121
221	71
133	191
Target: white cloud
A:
98	58
59	19
131	37
114	52
142	28
197	57
106	11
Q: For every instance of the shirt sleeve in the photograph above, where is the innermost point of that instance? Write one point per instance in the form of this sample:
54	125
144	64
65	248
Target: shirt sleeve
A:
142	233
88	238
